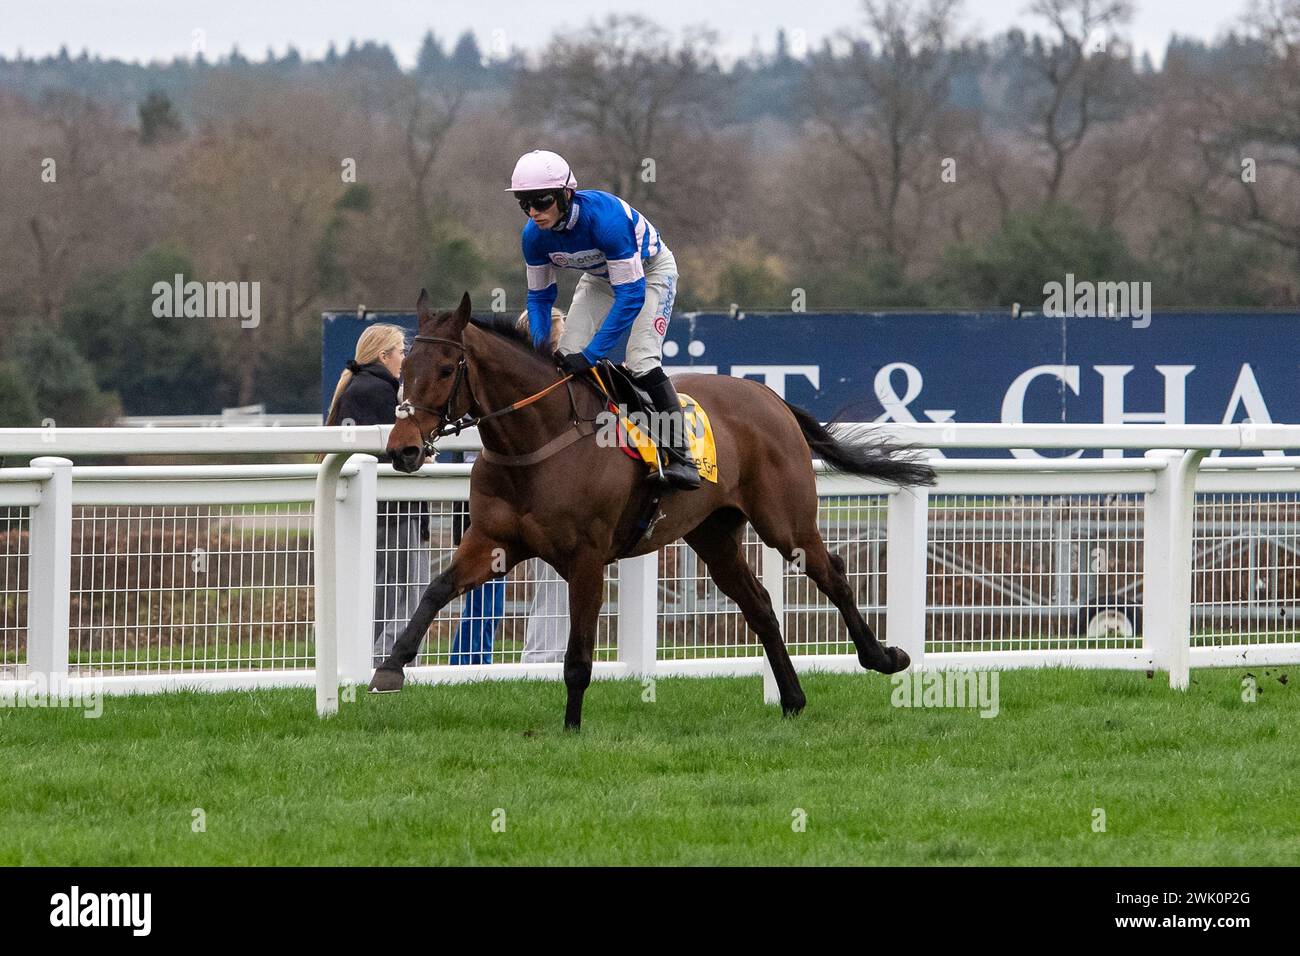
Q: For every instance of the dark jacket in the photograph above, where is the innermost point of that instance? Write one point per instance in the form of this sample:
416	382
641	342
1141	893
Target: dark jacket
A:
370	398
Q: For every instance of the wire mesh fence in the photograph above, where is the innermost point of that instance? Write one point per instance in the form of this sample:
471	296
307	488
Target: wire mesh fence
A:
853	527
1034	572
161	589
13	590
1246	569
696	620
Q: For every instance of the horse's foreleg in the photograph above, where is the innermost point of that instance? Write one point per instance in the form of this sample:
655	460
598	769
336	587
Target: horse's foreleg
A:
586	594
477	559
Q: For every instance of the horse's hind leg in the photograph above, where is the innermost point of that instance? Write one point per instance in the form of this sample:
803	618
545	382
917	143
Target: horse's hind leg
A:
793	532
718	543
827	571
476	559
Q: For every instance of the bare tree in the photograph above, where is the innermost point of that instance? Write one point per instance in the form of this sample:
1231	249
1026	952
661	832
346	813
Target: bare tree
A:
627	90
71	214
429	119
1079	73
881	103
1240	128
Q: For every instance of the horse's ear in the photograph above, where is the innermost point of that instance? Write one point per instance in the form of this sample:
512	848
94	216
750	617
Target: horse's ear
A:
423	313
460	318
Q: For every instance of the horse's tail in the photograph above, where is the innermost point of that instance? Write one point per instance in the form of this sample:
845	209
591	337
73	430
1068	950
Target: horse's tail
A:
874	458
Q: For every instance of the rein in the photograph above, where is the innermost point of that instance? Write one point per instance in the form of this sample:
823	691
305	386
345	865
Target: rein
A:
455	427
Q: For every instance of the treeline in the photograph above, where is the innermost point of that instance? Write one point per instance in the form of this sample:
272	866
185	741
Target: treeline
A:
898	165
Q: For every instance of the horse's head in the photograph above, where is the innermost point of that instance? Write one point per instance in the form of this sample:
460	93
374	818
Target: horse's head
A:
434	389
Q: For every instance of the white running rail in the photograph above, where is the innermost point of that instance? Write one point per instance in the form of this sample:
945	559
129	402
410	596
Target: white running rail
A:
1172	559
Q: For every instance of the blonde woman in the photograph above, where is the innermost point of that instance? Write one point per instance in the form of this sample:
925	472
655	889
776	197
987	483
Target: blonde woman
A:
367	394
367	390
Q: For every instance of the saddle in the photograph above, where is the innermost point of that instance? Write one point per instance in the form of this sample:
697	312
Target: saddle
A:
615	385
620	388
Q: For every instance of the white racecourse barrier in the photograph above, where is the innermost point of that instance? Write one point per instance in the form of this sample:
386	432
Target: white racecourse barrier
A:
152	577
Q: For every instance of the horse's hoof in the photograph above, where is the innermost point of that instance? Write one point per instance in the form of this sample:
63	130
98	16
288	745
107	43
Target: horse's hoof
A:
901	661
793	710
387	681
895	660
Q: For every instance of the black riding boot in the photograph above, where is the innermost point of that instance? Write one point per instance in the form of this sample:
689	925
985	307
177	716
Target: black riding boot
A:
680	469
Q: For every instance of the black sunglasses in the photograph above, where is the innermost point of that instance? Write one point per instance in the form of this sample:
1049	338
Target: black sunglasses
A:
541	203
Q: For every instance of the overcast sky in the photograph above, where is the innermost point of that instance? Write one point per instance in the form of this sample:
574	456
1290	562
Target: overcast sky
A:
163	29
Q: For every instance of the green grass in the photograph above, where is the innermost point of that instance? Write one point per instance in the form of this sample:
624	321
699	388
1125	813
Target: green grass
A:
705	774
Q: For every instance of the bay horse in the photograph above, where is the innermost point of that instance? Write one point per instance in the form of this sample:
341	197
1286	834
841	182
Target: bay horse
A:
542	488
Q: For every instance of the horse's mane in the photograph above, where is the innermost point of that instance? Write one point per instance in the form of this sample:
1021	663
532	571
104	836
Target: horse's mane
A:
506	328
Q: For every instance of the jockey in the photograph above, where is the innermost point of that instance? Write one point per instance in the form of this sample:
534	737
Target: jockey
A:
629	281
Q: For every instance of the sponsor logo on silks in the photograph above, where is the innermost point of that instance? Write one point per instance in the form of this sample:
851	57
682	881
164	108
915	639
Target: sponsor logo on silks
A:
584	259
669	298
661	325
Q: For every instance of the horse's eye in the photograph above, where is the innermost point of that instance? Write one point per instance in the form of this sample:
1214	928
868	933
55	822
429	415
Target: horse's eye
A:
445	371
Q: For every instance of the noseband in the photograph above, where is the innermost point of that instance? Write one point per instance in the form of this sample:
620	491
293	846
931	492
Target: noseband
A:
454	427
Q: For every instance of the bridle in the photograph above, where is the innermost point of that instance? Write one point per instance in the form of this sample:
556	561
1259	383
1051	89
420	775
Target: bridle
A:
455	426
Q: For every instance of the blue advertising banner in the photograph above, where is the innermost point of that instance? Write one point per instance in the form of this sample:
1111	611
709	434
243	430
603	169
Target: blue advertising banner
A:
1182	368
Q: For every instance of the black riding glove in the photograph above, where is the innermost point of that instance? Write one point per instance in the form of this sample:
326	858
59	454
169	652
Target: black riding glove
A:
572	363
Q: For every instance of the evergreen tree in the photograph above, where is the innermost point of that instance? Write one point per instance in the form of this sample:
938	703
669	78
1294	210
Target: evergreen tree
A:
158	119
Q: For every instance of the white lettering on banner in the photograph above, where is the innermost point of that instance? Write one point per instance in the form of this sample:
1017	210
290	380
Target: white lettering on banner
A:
895	408
1246	394
1013	402
774	375
1113	411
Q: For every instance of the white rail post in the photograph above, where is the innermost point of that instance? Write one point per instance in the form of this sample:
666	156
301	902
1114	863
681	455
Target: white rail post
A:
638	613
1157	559
772	575
907	547
1167	558
355	549
49	575
772	569
1183	543
327	620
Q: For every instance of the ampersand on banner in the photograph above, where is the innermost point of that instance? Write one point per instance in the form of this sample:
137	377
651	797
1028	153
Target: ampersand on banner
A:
895	408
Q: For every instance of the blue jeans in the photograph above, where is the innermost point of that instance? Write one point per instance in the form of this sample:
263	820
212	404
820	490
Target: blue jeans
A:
478	623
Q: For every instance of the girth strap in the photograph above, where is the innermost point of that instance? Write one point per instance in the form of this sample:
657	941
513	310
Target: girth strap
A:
578	430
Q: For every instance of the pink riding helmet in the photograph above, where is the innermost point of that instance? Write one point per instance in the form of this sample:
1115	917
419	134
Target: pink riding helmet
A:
541	169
